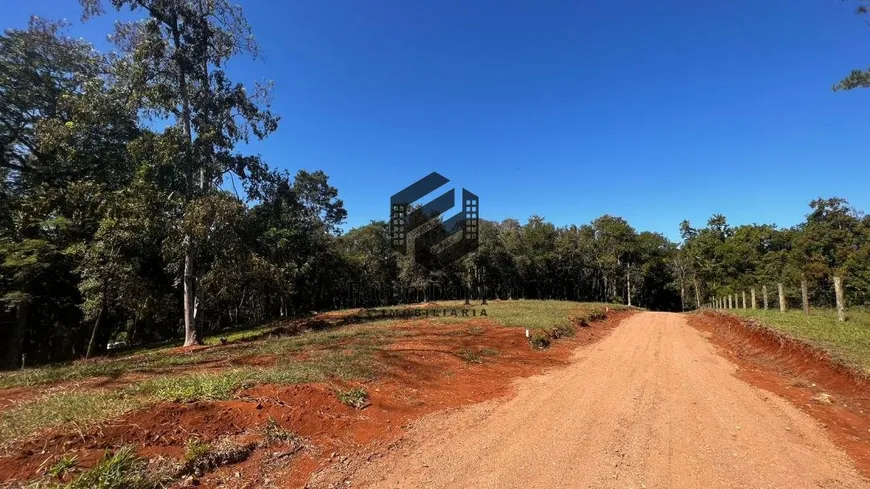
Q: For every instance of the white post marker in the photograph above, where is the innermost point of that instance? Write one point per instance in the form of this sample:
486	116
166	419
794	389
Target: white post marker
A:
527	333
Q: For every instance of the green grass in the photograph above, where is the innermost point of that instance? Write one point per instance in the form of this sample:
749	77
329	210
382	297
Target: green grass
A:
162	361
847	343
340	352
80	409
119	470
529	314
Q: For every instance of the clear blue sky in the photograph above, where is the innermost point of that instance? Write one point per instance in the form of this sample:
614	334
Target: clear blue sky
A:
653	111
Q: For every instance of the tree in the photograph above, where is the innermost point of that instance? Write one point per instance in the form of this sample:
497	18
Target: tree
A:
174	66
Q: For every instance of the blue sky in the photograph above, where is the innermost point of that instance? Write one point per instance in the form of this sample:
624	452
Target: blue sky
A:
653	111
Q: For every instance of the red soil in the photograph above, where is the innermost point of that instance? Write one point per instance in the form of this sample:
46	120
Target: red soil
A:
424	373
797	372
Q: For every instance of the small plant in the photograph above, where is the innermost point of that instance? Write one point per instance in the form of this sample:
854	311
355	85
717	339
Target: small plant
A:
561	331
121	470
196	450
356	397
597	315
489	352
470	356
63	466
202	457
540	340
273	432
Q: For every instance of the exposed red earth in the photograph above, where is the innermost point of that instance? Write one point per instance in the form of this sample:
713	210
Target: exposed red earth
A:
832	394
423	375
637	400
652	405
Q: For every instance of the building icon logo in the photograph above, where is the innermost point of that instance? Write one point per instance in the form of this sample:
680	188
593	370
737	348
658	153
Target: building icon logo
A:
421	232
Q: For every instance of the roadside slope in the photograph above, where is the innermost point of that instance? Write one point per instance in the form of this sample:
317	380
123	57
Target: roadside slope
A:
652	405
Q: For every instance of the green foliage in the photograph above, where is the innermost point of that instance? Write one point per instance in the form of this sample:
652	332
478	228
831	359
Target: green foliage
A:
77	408
540	339
64	465
121	470
274	433
195	450
470	356
834	240
116	212
356	397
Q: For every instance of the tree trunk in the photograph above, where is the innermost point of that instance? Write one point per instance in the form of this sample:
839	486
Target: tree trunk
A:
190	333
94	334
190	330
628	285
697	292
15	347
764	295
754	302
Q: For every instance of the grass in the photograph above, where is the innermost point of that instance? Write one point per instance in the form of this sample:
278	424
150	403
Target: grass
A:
273	432
121	470
64	465
196	450
163	361
80	409
470	356
530	314
335	352
847	343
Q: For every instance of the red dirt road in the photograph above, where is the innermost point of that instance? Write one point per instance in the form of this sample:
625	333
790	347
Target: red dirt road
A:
652	405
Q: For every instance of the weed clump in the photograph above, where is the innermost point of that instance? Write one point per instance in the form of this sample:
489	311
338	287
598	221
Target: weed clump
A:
540	340
121	470
203	457
356	397
470	356
274	433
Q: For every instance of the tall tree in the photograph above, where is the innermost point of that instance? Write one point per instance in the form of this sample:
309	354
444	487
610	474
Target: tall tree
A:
175	67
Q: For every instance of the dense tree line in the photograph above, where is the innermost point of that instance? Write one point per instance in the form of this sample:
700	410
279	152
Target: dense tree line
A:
118	220
833	241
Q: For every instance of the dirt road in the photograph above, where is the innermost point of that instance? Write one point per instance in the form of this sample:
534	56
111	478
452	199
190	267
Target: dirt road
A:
652	405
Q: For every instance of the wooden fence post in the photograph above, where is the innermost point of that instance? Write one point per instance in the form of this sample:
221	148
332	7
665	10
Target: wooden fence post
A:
841	302
781	297
764	295
754	303
805	297
744	299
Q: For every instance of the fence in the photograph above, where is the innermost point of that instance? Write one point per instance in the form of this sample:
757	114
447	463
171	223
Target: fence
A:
778	298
